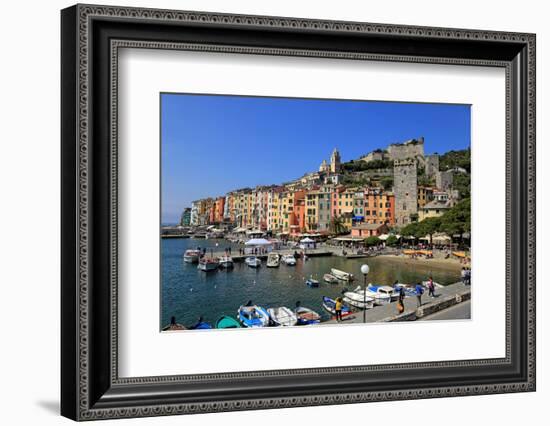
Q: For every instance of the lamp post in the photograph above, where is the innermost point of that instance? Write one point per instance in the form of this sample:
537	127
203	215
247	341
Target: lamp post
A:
365	270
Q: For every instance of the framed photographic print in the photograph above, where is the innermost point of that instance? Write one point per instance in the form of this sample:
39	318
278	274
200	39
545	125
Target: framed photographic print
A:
263	212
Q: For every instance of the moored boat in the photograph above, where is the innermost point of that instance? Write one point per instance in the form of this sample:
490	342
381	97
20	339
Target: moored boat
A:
329	278
227	322
226	262
273	260
358	300
289	260
312	283
208	264
380	296
191	256
253	316
174	326
330	306
253	262
282	316
385	289
201	325
342	275
307	316
409	291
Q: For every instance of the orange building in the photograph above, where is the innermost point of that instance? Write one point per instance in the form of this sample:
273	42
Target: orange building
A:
379	206
298	215
216	212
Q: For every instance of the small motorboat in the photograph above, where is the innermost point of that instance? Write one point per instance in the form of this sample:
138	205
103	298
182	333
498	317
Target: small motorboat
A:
253	316
358	300
191	256
273	260
201	325
380	297
331	279
282	316
307	316
253	262
385	289
289	260
330	306
208	264
312	283
227	322
342	275
226	262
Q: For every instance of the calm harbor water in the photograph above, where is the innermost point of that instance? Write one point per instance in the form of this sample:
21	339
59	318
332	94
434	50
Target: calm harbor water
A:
188	293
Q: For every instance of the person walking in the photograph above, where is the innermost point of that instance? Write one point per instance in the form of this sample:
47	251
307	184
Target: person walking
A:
431	287
338	309
419	292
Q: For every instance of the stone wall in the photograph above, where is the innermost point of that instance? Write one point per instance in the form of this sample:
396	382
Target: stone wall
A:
431	165
410	149
444	180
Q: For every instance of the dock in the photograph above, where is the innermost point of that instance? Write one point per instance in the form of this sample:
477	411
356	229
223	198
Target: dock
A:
446	297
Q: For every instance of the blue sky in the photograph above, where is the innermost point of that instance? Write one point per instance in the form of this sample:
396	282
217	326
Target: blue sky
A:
213	144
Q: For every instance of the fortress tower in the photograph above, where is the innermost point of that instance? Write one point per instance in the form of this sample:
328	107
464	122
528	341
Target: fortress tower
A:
405	190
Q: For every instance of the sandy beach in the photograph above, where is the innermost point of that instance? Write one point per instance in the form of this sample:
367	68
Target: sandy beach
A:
443	264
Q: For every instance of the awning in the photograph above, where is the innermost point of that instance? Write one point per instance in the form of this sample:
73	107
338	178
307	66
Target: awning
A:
257	242
307	240
358	218
383	237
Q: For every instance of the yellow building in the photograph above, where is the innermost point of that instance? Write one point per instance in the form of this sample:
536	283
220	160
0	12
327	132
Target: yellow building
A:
434	208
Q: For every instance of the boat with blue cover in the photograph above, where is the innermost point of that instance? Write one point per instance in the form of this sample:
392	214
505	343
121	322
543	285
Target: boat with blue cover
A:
253	316
201	325
227	322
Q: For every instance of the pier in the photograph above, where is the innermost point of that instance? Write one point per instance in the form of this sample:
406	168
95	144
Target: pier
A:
446	297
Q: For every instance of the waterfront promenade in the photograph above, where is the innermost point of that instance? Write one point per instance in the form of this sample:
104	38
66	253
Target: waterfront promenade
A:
445	297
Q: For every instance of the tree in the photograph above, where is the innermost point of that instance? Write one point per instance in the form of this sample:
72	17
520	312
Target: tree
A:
387	183
429	226
457	219
372	241
337	225
412	229
391	241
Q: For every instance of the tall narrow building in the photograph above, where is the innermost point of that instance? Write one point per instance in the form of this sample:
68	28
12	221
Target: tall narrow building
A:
335	161
405	190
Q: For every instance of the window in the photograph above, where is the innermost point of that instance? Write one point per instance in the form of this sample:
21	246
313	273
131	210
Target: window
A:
404	206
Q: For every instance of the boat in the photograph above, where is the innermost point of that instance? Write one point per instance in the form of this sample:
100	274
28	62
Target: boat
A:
385	289
312	283
201	325
226	262
253	262
342	275
330	304
289	260
380	297
208	264
191	256
358	300
273	260
329	278
282	316
409	291
174	326
307	316
227	322
253	316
